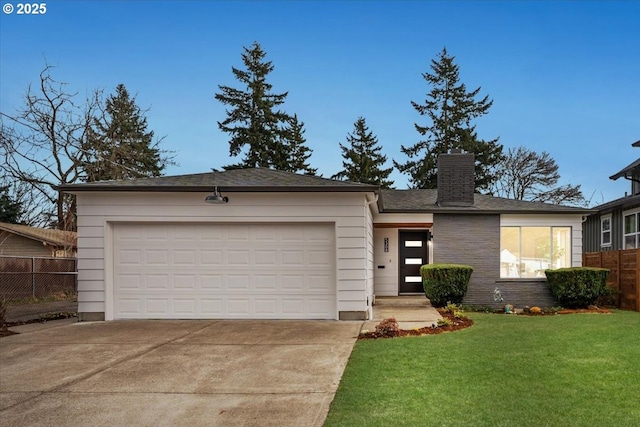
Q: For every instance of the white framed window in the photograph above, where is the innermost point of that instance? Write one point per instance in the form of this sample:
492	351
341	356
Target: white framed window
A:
526	252
605	230
630	222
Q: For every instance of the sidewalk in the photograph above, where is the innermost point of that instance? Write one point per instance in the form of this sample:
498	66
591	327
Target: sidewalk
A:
409	311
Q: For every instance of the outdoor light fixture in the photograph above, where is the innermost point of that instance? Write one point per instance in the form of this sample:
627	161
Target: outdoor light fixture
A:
216	198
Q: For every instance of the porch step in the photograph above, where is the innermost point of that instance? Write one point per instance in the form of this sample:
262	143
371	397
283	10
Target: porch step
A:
403	301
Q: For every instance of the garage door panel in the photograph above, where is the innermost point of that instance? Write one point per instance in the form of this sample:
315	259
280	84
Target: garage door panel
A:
266	282
156	282
211	281
211	307
184	306
184	282
266	306
156	257
211	257
157	307
224	271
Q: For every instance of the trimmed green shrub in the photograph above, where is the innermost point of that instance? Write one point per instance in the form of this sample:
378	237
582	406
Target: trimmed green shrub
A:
577	287
445	283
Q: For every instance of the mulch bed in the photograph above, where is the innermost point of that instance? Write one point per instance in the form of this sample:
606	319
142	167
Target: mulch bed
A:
591	309
457	323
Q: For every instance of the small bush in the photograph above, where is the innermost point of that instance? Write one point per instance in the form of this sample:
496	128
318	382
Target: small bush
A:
445	283
444	322
578	287
476	308
387	328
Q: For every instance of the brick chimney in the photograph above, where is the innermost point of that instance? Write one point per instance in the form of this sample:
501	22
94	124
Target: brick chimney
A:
456	178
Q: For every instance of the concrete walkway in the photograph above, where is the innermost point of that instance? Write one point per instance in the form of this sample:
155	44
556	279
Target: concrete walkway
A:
173	372
409	311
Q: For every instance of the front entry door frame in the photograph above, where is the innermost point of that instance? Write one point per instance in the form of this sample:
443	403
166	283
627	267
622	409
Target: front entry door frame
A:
413	252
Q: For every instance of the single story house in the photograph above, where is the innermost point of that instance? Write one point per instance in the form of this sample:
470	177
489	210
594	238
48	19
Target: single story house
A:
260	243
615	225
23	240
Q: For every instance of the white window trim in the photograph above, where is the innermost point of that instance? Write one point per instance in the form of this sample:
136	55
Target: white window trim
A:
635	211
610	231
551	227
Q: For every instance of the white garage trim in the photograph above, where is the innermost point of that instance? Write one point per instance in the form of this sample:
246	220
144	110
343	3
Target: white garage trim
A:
222	270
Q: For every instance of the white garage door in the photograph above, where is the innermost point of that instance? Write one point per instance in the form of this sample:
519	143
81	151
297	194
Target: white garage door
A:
224	271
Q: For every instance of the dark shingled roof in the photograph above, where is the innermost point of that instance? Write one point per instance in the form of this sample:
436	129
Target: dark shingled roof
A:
240	180
426	201
627	171
269	180
46	235
626	202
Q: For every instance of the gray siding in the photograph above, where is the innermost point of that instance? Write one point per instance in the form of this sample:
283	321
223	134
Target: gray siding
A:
592	234
475	240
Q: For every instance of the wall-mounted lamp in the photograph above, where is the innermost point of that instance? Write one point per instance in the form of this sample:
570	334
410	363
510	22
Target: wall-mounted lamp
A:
216	198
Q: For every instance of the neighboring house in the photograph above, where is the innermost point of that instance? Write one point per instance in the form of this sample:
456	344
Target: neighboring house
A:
22	240
277	245
616	225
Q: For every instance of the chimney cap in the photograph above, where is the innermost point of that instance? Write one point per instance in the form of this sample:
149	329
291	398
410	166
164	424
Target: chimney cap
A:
456	151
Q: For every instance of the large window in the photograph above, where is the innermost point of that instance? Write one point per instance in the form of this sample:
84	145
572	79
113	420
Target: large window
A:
526	252
605	230
631	230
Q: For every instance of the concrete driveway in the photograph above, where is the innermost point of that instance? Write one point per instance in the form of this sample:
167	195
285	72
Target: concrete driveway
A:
174	373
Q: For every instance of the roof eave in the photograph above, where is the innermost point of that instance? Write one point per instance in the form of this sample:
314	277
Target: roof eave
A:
231	189
37	238
476	211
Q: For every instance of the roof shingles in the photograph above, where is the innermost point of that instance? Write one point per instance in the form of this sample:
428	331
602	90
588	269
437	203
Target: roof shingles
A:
49	236
269	180
426	201
256	179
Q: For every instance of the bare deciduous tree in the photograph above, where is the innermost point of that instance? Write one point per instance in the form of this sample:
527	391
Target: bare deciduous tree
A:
526	175
41	146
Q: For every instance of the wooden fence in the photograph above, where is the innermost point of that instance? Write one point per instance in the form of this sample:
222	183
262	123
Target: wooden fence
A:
624	274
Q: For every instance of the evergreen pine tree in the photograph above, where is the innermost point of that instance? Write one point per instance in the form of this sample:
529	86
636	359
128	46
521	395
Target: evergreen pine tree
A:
10	208
254	123
363	161
118	144
451	110
297	154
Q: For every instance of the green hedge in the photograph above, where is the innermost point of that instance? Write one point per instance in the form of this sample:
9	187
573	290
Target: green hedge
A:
577	287
445	283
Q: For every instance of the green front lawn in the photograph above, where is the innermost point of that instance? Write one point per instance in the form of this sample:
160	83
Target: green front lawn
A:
563	370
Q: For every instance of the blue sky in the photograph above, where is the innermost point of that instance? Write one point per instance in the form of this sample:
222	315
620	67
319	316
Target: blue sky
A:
564	76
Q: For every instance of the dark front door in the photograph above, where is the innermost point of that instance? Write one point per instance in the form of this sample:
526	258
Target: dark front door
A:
413	253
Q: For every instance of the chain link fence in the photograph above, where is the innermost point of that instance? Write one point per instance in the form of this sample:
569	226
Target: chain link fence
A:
38	287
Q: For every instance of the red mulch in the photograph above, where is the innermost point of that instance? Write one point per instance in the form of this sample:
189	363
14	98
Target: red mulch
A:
463	322
591	309
457	323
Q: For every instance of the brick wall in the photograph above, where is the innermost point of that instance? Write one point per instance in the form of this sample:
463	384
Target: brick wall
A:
475	240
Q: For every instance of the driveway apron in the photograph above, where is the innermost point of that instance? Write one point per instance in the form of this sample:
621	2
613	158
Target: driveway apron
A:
174	373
